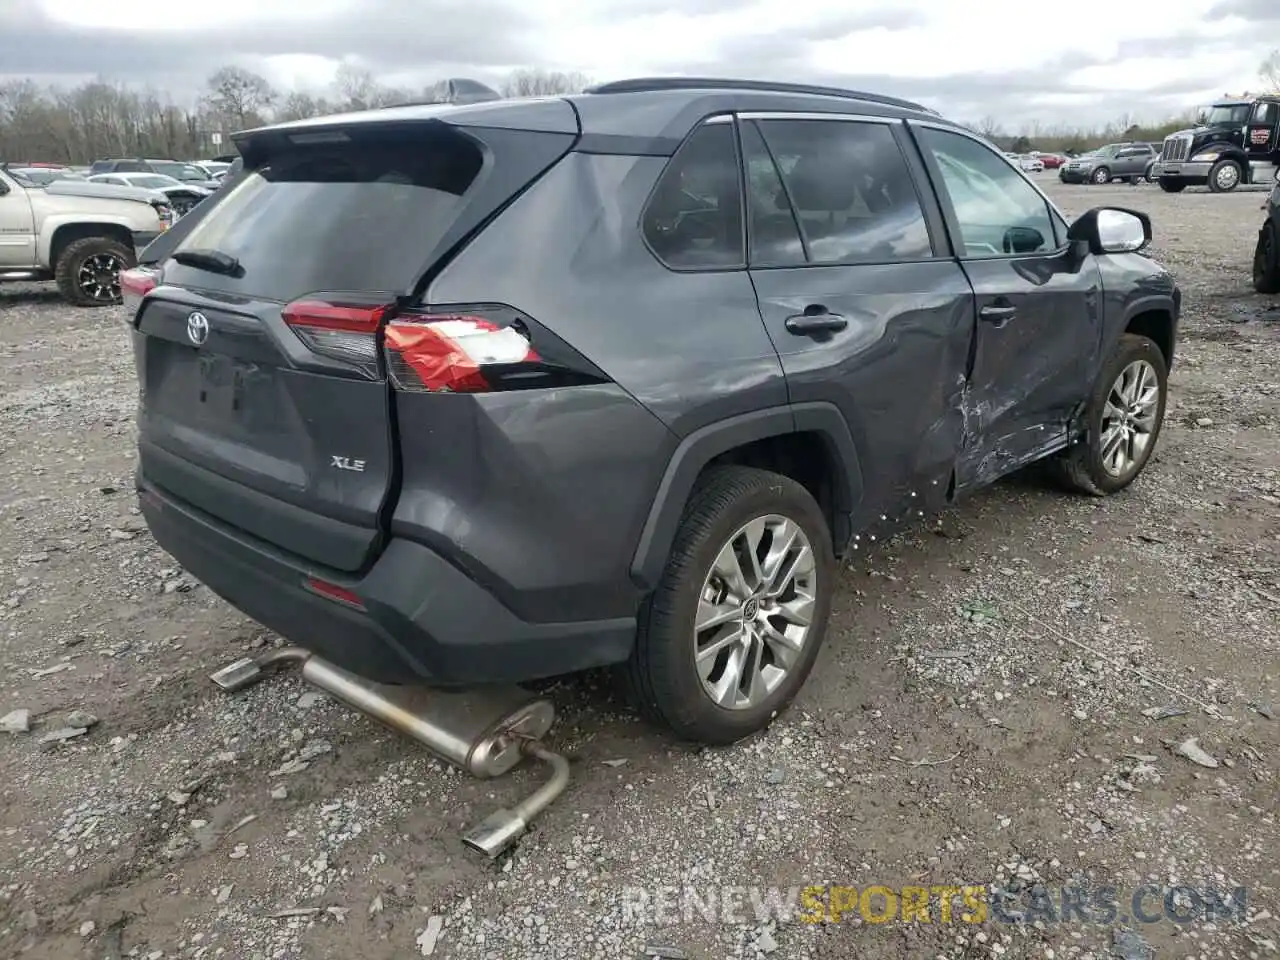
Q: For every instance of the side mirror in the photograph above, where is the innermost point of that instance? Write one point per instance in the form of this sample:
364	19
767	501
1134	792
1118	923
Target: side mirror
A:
1023	240
1112	230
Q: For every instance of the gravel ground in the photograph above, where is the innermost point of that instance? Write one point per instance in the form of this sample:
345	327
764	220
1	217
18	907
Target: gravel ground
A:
977	716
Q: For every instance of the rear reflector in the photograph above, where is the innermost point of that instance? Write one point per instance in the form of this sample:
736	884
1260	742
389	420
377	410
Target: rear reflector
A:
331	591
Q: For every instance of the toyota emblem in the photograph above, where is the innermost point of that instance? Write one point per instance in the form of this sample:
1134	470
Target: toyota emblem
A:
197	328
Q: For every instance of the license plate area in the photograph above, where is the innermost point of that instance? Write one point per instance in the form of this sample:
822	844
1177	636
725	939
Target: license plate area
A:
219	387
1171	168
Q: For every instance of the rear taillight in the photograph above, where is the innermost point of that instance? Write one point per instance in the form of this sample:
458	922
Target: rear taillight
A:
451	352
136	284
341	331
426	352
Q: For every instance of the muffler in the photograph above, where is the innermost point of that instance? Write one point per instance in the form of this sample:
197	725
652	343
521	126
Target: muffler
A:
484	730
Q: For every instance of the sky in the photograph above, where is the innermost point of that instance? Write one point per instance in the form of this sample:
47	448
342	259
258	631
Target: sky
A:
1021	62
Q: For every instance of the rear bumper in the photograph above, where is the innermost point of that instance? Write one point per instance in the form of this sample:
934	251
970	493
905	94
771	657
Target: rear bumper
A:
423	618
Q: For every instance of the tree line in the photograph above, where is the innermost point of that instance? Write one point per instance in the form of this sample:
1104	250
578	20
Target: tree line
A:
103	118
109	119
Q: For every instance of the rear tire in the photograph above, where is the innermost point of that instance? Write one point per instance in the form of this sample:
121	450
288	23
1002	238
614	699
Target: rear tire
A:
734	506
88	272
1266	260
1172	185
1091	465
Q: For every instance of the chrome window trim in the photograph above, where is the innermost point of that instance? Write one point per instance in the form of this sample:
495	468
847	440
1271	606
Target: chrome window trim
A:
806	115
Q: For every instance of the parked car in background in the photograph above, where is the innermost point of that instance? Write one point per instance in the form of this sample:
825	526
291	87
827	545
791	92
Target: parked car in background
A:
1051	161
77	233
1131	162
679	508
45	174
1031	164
182	196
186	172
215	168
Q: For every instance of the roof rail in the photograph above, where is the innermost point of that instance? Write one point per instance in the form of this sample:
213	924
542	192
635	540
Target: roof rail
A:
651	84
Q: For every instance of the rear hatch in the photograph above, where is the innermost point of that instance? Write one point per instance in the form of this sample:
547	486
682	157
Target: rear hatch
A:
264	394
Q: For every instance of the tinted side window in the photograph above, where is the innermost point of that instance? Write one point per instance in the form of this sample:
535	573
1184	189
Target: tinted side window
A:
998	212
771	223
851	190
694	217
130	166
1262	112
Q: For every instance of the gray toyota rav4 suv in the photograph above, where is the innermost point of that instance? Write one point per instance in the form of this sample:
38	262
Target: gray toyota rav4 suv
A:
493	392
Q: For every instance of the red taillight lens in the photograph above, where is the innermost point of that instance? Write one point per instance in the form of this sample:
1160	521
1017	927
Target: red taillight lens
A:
354	318
134	285
429	353
342	331
137	282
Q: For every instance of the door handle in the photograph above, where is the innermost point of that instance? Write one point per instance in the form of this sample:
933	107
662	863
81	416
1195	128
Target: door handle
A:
997	316
809	324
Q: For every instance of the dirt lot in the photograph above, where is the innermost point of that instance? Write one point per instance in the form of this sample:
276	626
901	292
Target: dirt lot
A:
955	731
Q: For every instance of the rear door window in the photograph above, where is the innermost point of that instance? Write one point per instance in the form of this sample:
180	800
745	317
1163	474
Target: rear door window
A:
851	190
354	216
693	219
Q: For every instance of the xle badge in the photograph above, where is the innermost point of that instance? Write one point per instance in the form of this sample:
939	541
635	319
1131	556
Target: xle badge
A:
346	463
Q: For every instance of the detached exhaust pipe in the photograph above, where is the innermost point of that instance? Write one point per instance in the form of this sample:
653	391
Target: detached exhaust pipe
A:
485	731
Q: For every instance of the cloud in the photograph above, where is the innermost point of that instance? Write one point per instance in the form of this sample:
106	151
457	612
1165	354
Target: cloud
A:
970	60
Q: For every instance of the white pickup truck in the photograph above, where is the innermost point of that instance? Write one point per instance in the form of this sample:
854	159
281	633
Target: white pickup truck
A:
79	234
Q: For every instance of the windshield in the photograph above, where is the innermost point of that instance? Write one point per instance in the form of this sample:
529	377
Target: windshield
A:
1225	115
153	181
179	171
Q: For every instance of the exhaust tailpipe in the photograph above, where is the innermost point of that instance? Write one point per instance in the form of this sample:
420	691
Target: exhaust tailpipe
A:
485	730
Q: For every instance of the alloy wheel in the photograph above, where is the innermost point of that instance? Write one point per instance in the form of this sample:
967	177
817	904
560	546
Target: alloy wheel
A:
99	277
754	611
1129	417
1227	177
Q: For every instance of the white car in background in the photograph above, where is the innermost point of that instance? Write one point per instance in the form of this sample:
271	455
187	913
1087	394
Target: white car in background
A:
1031	164
182	195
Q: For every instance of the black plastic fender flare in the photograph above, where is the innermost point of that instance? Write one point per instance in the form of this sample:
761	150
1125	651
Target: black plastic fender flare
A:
702	446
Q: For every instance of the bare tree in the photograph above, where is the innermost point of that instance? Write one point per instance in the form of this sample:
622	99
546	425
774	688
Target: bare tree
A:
239	96
989	127
1269	71
543	83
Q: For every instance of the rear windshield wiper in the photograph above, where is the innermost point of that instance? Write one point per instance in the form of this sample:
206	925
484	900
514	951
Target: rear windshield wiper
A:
215	261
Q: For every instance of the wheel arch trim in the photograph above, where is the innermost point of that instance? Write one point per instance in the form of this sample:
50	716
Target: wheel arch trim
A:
701	446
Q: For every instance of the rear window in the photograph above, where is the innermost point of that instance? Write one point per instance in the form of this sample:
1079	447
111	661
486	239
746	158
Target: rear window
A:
336	217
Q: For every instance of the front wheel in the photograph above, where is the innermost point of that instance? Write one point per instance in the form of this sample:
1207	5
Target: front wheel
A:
1225	176
734	627
1123	420
1266	260
1172	185
1101	175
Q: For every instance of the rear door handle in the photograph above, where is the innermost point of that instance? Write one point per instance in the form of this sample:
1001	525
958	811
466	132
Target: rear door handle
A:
997	315
808	324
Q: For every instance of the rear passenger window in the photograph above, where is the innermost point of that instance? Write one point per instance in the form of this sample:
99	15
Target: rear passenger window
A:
694	218
851	190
